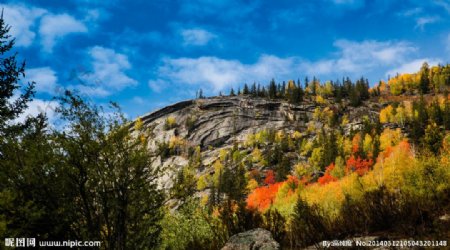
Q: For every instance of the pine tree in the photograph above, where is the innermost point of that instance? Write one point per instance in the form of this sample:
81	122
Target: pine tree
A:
11	73
306	82
232	92
313	86
297	95
272	89
200	94
263	92
424	78
246	91
419	123
354	95
253	90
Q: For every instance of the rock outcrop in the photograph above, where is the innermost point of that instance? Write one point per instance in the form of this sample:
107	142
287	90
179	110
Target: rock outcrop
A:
219	122
256	239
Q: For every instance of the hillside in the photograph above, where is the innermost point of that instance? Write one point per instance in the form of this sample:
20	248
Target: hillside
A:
309	128
268	155
217	123
256	160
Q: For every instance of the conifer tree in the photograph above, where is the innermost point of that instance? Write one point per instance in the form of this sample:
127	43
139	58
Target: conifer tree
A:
11	73
272	89
253	90
424	78
246	91
232	92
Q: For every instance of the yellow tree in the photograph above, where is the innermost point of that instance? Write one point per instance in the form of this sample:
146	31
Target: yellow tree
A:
368	144
386	114
400	115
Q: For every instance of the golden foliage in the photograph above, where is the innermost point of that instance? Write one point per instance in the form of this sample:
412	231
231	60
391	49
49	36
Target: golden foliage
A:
138	124
390	138
386	114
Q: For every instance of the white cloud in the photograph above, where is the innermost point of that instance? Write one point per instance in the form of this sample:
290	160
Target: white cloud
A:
108	73
196	37
422	21
22	19
360	57
410	12
38	106
215	74
45	78
443	3
412	66
55	27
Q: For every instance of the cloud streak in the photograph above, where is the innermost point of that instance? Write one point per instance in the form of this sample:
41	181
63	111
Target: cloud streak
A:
55	27
109	73
217	74
412	66
360	57
196	37
22	21
39	106
45	78
422	21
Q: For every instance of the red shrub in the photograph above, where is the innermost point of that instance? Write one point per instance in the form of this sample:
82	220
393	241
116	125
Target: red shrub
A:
270	177
358	165
327	177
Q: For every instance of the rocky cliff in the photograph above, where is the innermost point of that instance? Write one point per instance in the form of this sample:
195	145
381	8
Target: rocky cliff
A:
220	122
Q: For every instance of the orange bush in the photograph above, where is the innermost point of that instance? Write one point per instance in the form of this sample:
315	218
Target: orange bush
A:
358	165
261	198
327	177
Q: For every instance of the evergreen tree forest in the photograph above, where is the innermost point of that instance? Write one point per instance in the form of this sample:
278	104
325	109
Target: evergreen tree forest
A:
94	178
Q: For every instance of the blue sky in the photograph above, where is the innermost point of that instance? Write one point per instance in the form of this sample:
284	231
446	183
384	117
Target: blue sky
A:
147	54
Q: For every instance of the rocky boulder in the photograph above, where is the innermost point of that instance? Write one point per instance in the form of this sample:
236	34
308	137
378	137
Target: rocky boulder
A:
255	239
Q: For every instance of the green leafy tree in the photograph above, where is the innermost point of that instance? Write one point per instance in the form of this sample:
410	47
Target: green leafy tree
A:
32	190
11	73
115	196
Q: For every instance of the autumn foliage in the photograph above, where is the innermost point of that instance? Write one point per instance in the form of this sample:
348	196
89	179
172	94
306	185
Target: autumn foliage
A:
358	165
327	177
261	198
270	178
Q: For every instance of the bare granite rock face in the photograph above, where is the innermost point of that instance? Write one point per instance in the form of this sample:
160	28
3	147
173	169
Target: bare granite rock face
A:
256	239
219	122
